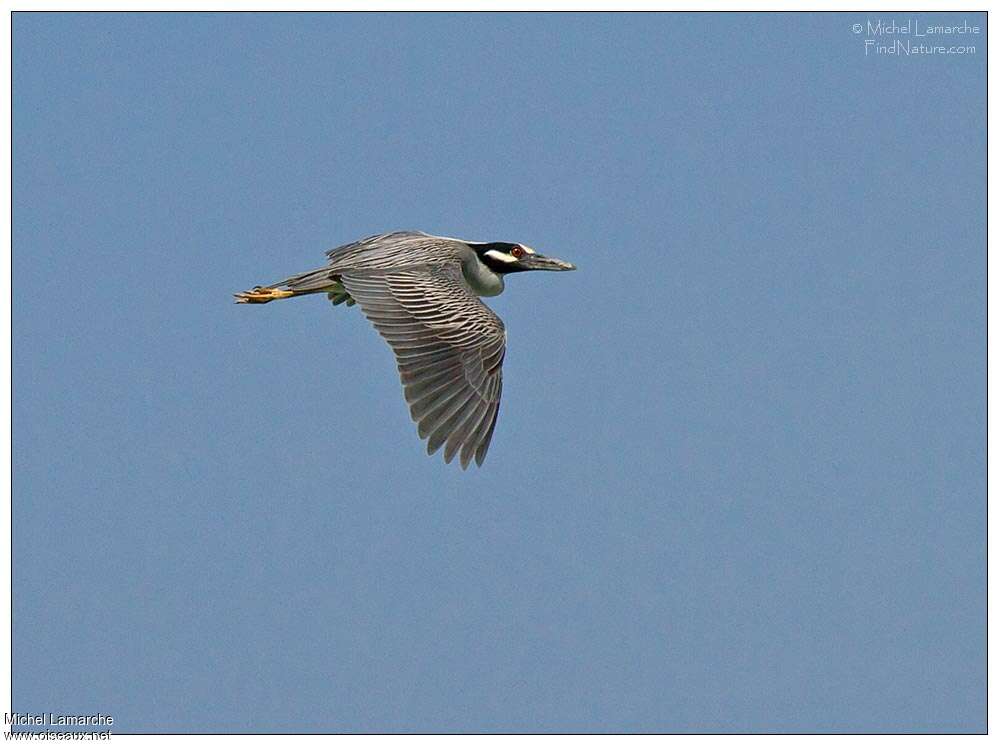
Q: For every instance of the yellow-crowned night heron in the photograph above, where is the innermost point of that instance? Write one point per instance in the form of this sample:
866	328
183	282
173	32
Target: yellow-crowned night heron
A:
420	292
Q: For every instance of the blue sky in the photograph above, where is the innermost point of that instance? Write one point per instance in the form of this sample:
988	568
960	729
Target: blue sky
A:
738	480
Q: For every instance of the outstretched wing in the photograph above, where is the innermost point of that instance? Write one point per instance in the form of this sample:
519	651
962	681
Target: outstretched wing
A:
449	346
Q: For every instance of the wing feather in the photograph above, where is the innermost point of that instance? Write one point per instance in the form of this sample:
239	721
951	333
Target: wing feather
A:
449	347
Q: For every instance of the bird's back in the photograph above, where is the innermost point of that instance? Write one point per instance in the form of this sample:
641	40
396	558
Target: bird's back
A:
395	250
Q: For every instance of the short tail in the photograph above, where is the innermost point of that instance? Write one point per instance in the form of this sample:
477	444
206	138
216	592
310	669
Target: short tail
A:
307	283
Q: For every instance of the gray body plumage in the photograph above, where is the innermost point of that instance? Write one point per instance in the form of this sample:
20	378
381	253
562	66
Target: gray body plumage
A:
389	251
421	293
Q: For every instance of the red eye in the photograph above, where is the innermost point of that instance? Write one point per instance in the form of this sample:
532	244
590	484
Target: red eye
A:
517	251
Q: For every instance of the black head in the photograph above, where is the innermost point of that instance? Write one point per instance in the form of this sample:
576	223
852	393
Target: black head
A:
504	258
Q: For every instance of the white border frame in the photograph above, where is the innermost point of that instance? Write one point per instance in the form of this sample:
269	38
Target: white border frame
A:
887	6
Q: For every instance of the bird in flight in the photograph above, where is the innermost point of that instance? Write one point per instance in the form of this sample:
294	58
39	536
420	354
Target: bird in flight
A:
421	293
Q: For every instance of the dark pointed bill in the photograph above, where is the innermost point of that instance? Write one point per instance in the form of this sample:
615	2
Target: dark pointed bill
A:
540	261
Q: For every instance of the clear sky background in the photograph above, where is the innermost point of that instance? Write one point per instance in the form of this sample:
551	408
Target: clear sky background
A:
738	481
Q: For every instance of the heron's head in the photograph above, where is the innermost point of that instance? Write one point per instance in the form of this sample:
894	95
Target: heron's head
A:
504	258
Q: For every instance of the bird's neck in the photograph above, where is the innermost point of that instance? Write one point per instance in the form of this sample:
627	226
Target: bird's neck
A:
482	280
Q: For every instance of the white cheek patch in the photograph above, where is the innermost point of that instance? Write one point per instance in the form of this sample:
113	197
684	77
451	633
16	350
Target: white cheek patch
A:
499	255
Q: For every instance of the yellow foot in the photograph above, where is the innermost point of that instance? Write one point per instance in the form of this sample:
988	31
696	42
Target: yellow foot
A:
262	295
